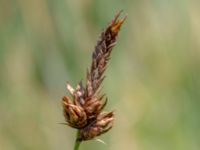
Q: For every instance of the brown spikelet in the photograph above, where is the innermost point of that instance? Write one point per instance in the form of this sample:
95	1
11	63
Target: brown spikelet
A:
101	55
84	111
102	124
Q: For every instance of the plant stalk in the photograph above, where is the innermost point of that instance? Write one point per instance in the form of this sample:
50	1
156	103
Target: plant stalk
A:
77	142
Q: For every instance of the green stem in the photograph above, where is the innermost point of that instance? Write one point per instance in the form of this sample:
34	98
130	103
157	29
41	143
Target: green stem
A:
77	142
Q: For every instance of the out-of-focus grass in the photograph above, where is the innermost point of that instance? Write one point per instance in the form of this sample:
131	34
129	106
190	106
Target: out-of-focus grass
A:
152	81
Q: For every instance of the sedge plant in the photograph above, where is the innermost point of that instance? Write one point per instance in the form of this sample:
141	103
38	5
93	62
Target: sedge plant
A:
83	111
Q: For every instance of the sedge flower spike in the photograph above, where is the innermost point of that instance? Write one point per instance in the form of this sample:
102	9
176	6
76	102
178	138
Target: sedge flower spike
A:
84	110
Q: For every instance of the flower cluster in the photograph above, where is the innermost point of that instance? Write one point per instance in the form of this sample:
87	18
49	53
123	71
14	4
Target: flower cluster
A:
84	111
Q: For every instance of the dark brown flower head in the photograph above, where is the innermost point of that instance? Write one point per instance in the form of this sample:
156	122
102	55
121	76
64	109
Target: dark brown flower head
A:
102	124
84	111
74	114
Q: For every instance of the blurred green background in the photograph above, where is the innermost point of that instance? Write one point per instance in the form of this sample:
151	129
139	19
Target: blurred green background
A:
152	81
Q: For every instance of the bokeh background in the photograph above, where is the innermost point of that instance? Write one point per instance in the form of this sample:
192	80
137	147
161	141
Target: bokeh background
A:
152	81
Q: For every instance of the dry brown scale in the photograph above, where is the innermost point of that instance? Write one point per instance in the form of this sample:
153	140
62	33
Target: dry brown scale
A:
84	112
